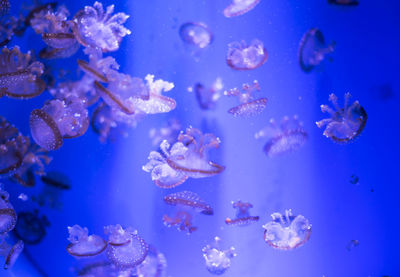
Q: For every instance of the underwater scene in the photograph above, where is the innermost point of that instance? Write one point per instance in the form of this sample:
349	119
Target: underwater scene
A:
192	138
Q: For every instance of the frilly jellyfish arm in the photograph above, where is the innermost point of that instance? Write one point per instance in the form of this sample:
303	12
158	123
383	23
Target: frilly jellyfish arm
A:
77	234
118	236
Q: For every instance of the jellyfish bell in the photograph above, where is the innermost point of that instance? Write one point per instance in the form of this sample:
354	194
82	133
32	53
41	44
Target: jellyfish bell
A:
286	231
196	34
31	228
246	57
217	260
345	124
19	76
154	265
313	49
8	216
13	255
83	245
243	216
239	7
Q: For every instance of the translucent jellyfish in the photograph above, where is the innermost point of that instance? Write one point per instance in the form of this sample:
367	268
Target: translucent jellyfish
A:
31	228
19	76
8	216
282	138
287	232
57	180
196	34
168	133
248	105
313	49
243	216
55	184
154	265
344	2
217	260
13	147
352	244
346	123
9	26
239	7
246	57
126	248
13	254
83	245
187	202
207	97
58	119
96	27
104	269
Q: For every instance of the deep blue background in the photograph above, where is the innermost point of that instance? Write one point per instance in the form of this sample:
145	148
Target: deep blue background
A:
109	186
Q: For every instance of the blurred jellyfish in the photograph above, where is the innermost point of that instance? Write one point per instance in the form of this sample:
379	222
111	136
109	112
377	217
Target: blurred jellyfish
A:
23	197
58	119
187	203
344	2
4	7
168	133
30	227
83	245
246	57
249	106
126	248
95	27
346	123
287	232
239	7
286	137
19	76
313	49
196	34
9	26
13	252
154	265
8	216
217	260
352	244
243	216
207	97
104	269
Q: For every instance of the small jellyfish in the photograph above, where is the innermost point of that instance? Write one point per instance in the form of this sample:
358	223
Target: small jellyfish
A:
13	255
243	216
286	137
126	248
8	216
19	76
196	34
30	227
246	57
249	106
354	179
287	232
207	97
95	27
352	244
187	202
313	49
217	260
83	245
168	133
239	7
9	26
346	123
154	265
58	119
344	2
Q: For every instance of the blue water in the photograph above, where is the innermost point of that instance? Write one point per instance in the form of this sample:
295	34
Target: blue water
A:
109	186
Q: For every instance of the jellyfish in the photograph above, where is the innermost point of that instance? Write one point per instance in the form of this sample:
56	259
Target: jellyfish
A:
352	244
95	27
344	2
313	49
58	119
4	7
243	216
8	216
83	245
346	123
287	232
286	137
126	249
207	97
19	76
217	260
154	265
168	133
30	227
13	253
246	57
239	7
196	34
9	26
187	202
249	106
